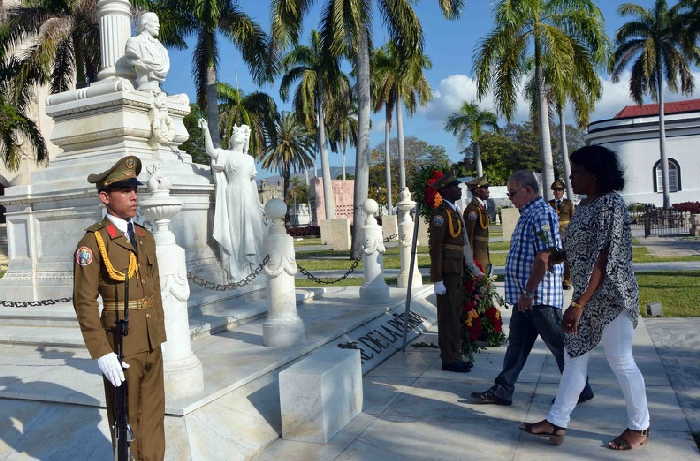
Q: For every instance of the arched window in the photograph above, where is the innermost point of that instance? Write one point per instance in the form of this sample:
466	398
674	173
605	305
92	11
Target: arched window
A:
674	176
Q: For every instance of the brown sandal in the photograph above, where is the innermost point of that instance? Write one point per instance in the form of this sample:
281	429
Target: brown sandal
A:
622	443
555	436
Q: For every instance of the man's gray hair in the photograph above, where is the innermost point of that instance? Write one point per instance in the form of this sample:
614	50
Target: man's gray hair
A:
525	178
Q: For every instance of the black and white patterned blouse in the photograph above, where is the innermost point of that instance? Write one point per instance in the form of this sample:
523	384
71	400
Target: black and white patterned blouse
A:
596	226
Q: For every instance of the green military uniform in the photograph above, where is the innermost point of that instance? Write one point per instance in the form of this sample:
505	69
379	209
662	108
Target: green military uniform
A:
103	254
447	265
565	210
477	223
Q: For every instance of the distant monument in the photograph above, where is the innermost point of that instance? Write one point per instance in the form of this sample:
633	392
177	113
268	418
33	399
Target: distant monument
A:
238	213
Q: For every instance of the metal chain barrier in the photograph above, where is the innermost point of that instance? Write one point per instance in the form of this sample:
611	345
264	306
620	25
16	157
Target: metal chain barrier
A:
43	302
230	285
313	278
391	237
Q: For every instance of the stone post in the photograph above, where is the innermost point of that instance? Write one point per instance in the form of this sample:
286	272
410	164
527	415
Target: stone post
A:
182	369
405	206
282	327
115	30
374	290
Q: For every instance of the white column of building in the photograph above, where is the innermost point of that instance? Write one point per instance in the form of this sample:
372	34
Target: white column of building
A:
374	290
115	30
405	206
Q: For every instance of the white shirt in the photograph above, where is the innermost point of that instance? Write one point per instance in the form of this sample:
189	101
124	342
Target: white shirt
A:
121	224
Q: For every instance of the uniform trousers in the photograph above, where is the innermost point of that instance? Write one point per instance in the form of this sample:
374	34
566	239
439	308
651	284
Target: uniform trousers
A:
617	344
146	397
450	308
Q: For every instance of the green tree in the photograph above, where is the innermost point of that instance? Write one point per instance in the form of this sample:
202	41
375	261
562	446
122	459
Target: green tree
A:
661	42
346	28
470	122
321	83
194	145
553	31
257	110
290	149
342	129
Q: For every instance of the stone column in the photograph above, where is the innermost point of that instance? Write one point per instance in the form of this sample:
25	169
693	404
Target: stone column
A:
182	369
374	290
115	30
405	206
282	327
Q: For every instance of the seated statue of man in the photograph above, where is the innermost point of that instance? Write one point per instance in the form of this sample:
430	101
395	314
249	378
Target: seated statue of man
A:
146	55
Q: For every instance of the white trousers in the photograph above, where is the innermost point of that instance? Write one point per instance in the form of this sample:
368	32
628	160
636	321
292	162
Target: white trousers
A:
617	343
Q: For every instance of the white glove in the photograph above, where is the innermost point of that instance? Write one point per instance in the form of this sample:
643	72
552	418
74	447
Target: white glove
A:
109	366
440	288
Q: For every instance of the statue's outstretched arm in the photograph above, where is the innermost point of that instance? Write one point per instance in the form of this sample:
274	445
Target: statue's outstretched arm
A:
208	143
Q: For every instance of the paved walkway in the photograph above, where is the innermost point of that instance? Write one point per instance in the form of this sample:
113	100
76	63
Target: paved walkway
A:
414	411
672	246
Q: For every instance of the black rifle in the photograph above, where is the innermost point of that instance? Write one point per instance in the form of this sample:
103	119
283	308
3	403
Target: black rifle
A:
123	436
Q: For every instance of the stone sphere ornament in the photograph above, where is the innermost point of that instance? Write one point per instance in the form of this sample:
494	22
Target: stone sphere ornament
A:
275	209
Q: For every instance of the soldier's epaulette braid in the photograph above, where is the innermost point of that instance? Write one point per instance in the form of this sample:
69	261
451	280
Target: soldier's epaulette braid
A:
113	273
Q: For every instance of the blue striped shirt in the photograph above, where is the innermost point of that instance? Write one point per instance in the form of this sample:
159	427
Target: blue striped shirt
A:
537	230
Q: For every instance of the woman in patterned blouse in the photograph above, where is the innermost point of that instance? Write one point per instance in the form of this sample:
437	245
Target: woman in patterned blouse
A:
606	298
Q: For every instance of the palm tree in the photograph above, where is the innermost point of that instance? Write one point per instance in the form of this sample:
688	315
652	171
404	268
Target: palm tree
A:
552	30
290	149
321	83
347	31
470	122
400	81
659	39
384	98
257	110
208	20
342	128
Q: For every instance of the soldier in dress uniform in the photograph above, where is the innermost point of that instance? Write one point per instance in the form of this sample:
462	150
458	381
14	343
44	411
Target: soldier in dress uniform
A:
447	255
477	221
112	249
565	210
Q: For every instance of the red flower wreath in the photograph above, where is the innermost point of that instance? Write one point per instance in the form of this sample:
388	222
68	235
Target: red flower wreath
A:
432	197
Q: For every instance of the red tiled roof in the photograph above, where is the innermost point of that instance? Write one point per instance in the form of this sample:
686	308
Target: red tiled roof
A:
645	110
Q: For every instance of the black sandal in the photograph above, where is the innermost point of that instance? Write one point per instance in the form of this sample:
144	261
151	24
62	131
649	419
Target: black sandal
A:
621	443
555	436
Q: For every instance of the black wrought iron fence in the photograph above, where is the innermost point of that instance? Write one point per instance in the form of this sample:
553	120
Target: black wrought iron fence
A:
659	221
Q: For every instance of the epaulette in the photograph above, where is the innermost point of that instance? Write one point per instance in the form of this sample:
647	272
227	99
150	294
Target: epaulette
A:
95	227
140	230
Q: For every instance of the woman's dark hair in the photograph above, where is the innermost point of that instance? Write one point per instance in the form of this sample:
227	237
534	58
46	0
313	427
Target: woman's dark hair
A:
602	163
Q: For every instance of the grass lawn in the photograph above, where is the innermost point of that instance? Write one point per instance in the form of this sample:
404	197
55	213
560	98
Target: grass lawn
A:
390	262
2	273
495	231
499	246
678	292
348	282
310	254
308	241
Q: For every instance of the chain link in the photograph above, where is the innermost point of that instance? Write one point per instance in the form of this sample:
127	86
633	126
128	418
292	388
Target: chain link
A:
313	278
391	237
43	302
231	285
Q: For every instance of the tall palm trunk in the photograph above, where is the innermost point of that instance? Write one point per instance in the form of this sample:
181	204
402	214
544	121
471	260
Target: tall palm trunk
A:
399	135
565	153
387	156
362	156
662	134
543	109
343	162
477	160
286	174
213	106
328	198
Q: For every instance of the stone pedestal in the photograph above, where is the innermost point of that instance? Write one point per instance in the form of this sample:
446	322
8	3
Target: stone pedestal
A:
509	219
282	327
320	395
374	290
405	229
390	228
336	233
182	369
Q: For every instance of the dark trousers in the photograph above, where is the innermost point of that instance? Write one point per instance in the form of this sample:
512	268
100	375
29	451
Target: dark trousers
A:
146	397
450	307
524	328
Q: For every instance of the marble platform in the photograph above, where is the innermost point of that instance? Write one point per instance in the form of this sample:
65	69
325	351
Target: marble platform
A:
53	403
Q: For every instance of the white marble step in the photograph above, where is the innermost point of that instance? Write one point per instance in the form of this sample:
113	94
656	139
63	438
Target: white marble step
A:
44	336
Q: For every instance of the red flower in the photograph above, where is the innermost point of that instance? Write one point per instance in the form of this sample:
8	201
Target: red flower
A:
432	197
475	330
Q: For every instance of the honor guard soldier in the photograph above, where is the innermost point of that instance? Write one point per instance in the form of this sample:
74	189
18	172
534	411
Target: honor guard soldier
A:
565	210
477	221
447	255
112	251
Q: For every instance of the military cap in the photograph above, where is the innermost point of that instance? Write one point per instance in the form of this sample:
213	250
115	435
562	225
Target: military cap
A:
478	182
445	181
558	184
122	174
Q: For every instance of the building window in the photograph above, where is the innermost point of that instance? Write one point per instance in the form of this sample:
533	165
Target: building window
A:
2	208
674	176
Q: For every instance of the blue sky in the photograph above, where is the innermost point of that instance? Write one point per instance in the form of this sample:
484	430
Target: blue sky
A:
449	44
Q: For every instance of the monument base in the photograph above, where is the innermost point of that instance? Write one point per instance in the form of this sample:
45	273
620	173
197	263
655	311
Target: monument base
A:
55	395
183	378
283	332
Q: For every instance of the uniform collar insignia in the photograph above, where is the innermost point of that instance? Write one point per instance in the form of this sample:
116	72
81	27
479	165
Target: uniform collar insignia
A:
112	231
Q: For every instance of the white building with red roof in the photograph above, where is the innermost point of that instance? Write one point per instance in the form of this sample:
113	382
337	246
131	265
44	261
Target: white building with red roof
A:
634	134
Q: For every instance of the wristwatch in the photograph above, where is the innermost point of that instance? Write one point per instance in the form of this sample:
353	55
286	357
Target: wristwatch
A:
528	294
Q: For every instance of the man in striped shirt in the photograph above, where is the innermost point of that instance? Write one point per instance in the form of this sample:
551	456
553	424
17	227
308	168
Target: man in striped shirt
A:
535	291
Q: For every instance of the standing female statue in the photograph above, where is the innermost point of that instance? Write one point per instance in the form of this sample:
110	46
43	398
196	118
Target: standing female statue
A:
238	214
